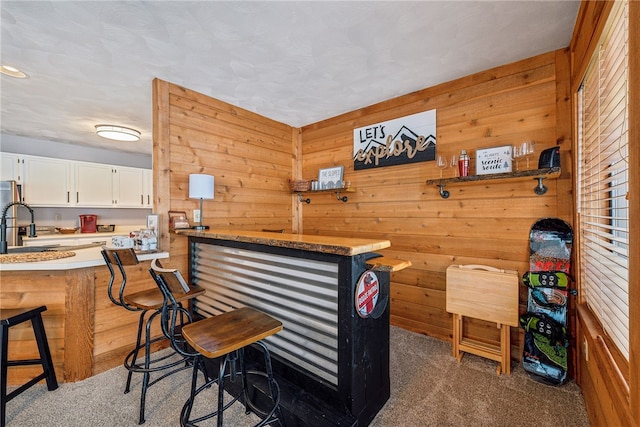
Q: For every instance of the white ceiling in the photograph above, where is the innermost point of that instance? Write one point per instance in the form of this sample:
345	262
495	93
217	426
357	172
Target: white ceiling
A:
296	62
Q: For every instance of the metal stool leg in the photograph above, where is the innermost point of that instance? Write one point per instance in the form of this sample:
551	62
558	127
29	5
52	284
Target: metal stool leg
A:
45	352
4	341
135	351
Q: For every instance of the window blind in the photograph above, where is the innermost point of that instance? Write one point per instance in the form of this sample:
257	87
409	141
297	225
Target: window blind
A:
603	206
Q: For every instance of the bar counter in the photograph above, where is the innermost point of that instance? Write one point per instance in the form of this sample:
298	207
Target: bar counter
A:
330	360
348	246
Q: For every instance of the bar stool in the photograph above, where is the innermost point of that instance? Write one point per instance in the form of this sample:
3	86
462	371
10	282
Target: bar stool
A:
13	317
147	302
224	336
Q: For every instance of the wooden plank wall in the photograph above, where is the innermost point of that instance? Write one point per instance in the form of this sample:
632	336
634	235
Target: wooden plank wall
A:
251	157
481	223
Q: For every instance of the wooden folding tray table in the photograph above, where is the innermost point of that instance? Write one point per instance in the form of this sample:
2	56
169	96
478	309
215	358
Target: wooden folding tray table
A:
484	293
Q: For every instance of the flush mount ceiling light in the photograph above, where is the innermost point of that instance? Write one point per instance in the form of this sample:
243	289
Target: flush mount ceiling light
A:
117	133
12	71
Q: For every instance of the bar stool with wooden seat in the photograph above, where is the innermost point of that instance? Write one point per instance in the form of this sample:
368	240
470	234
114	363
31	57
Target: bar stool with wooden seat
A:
147	302
224	336
13	317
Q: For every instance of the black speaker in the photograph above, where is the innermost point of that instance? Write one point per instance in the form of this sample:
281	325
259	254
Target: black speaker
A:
549	158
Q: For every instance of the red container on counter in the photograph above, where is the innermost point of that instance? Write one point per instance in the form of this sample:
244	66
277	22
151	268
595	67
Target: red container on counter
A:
88	223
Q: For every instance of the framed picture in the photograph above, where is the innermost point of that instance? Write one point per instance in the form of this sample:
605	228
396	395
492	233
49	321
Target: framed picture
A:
493	160
152	221
330	178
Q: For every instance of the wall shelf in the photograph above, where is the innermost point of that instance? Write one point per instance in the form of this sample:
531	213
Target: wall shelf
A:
536	174
337	191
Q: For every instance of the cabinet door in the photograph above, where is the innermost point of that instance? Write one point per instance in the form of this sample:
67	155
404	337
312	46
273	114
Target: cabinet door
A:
148	187
128	185
47	182
94	185
11	167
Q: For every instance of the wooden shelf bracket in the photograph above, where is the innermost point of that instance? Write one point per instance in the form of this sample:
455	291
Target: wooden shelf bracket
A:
540	189
302	199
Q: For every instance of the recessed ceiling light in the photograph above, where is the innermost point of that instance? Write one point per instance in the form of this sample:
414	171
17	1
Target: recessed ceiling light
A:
12	71
117	133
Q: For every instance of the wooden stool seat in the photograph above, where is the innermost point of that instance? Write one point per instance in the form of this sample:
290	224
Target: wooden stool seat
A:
12	317
233	330
152	299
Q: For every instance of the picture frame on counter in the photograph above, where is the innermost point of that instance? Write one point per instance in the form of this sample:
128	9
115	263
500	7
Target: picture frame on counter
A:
493	160
330	178
178	220
153	221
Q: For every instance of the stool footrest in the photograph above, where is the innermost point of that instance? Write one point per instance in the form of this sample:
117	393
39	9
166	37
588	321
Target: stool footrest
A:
25	362
25	386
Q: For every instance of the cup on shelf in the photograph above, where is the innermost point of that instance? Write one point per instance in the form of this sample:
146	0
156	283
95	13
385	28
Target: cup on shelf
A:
527	149
454	165
441	163
515	156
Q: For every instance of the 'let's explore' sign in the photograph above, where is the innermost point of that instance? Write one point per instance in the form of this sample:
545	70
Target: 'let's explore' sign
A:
408	139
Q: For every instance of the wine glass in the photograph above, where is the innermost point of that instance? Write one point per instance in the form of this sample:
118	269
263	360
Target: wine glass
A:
515	155
454	164
527	148
441	163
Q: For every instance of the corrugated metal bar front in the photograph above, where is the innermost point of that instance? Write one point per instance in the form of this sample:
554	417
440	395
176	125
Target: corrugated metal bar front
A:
301	293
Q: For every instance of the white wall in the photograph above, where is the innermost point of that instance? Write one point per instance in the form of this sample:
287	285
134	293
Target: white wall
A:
38	147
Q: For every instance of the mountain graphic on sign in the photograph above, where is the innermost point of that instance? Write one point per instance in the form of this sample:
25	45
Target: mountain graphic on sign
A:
407	134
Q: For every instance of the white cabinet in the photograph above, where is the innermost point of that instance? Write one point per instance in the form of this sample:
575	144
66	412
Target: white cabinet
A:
58	182
148	187
94	185
47	182
99	185
128	186
11	167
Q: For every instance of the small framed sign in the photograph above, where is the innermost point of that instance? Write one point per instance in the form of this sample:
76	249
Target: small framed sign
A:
493	160
330	178
152	221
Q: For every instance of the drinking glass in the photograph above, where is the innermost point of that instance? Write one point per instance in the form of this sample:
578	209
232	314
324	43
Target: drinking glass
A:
527	149
515	155
441	163
454	165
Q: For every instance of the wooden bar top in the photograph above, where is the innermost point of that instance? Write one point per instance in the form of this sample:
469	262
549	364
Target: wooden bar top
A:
347	246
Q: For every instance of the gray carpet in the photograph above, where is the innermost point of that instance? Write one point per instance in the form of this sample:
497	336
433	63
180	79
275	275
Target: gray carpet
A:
428	388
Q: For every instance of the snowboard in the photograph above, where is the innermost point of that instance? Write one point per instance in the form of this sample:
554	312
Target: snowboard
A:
546	340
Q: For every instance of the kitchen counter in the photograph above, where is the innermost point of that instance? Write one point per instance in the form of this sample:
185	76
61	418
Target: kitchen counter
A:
44	237
87	333
83	258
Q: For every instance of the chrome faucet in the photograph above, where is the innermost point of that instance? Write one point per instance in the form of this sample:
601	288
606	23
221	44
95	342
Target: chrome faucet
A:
3	225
